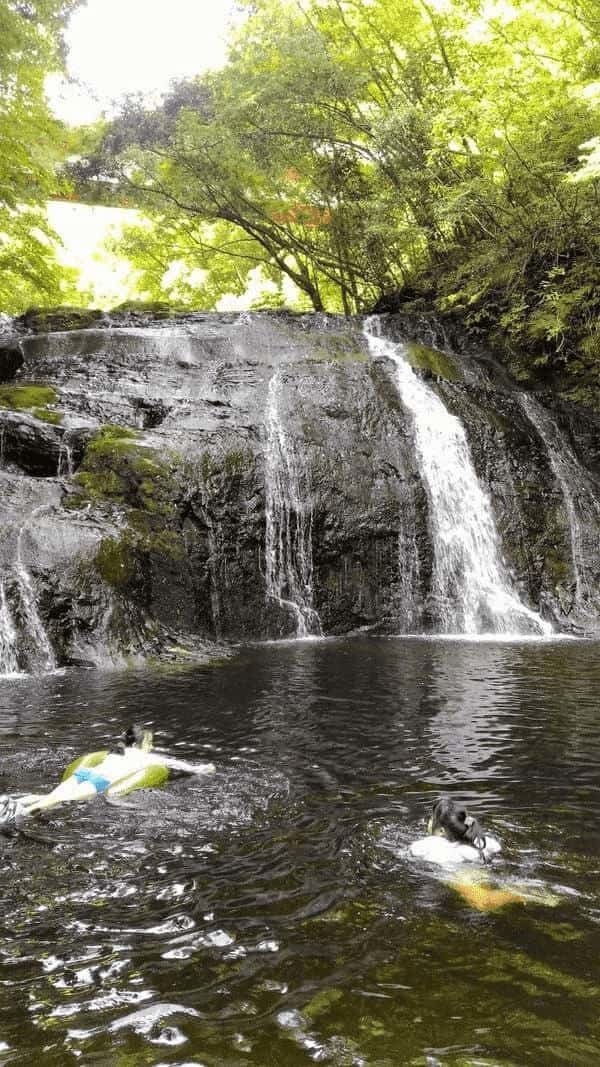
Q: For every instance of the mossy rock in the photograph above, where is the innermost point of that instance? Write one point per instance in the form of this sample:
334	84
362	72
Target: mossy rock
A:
208	466
27	397
117	467
120	562
116	562
147	532
45	415
158	309
233	462
35	399
334	349
55	320
431	359
110	439
558	569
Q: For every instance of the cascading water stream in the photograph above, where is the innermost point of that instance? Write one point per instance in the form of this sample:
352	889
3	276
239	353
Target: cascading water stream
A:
289	563
9	663
33	622
575	488
409	570
470	586
65	467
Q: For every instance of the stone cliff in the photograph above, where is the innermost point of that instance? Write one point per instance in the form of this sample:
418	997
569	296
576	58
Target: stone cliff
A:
162	479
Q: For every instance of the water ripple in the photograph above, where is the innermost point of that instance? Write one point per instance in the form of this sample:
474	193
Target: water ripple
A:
270	914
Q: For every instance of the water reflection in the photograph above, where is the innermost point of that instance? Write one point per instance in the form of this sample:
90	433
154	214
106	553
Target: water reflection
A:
478	693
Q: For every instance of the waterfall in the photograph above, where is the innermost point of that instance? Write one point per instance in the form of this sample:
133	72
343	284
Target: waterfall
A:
470	586
35	630
574	486
289	564
409	570
9	663
65	458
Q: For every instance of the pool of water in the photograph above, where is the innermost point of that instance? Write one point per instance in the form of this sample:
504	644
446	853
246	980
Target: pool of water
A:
270	915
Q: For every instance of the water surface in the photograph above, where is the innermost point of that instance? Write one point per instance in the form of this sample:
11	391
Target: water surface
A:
269	916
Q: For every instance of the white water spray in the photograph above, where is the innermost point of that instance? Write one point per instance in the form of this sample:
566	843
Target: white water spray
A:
289	516
470	585
9	663
65	467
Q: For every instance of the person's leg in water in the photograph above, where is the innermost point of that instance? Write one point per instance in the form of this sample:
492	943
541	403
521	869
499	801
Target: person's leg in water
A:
472	882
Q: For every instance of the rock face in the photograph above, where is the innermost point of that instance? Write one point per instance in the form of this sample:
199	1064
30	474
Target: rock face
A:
222	477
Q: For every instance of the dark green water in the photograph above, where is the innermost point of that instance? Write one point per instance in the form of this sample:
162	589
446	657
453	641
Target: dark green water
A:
270	916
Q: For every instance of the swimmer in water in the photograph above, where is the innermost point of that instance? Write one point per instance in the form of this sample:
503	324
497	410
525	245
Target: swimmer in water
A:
456	839
454	836
134	765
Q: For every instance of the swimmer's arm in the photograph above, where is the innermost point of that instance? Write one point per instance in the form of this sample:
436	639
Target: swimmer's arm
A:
183	767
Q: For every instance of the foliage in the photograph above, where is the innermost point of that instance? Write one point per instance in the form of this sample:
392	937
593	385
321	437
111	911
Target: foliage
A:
443	149
30	150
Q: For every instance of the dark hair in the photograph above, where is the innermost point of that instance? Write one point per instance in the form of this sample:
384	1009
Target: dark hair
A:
133	735
456	823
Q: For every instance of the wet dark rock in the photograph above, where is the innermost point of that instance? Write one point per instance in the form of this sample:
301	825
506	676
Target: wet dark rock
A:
11	358
29	444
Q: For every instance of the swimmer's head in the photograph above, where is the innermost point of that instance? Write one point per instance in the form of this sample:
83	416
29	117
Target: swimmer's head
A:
136	737
451	820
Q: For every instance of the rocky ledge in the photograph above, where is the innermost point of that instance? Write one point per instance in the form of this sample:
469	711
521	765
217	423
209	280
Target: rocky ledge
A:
142	459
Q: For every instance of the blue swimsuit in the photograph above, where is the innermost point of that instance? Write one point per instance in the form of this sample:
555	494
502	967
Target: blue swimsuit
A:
87	774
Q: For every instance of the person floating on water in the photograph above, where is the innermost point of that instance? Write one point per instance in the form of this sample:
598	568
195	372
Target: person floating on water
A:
134	765
454	836
455	839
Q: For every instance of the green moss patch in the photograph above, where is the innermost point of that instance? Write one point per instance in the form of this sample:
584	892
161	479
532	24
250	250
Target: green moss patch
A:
158	309
233	462
116	562
438	363
35	399
335	349
118	468
58	319
322	1002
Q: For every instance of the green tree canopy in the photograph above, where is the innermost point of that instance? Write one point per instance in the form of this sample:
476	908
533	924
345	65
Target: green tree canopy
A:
32	144
361	148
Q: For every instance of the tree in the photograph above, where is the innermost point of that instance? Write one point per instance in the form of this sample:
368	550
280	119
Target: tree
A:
361	148
30	150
